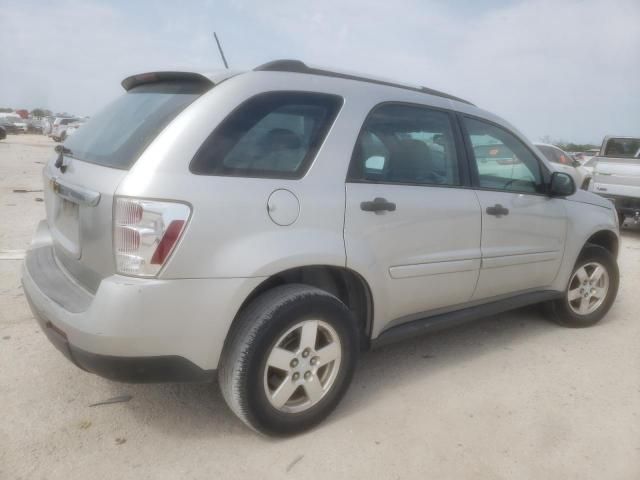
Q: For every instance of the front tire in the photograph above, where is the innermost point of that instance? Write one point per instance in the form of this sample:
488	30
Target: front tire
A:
591	290
289	359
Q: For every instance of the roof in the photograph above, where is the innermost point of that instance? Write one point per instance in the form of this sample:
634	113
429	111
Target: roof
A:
296	66
288	66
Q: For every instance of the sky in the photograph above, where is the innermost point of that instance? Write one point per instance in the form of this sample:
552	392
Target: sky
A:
565	69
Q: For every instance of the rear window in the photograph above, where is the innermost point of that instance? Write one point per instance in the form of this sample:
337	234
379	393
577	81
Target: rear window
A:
117	135
272	135
623	147
555	155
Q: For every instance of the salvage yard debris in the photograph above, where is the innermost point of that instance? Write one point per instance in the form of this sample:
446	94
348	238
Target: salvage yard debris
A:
109	401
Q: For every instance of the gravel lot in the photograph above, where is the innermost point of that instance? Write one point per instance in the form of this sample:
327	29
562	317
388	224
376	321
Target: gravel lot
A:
510	397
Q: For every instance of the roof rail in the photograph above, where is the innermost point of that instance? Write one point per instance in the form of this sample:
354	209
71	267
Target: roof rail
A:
296	66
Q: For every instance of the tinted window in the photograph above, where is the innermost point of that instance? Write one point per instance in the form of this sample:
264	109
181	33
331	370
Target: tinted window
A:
623	147
503	161
273	135
406	144
555	155
117	135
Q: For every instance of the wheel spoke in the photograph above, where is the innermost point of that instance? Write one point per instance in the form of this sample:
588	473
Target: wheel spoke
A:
283	392
574	294
280	359
582	275
313	389
308	334
600	292
328	353
584	305
597	273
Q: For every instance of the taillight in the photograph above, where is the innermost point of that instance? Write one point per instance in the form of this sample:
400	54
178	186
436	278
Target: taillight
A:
145	233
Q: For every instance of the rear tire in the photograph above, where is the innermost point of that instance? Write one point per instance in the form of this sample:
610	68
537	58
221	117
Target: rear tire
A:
591	290
621	218
275	373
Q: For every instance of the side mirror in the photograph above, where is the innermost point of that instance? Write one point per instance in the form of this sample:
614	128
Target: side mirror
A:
561	185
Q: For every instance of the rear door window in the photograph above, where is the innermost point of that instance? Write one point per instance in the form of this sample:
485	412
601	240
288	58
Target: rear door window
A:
272	135
406	144
117	135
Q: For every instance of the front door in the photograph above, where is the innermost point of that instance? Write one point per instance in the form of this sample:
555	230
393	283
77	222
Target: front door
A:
410	227
523	229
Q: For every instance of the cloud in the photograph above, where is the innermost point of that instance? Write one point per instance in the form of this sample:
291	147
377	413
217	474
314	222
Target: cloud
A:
568	69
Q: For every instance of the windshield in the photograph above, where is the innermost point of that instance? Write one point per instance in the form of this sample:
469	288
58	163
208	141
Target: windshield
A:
117	135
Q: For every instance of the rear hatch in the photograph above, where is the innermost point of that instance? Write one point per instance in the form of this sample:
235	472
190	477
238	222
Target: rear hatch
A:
80	181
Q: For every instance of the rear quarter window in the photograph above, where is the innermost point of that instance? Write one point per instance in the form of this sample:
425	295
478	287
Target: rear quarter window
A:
271	135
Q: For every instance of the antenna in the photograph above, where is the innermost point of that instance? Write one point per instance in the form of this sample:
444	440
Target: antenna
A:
224	60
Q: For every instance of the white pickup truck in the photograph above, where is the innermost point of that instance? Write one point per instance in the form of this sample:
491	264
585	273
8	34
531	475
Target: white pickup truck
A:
617	174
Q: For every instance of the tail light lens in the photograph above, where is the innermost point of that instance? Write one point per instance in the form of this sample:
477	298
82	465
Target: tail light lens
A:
145	232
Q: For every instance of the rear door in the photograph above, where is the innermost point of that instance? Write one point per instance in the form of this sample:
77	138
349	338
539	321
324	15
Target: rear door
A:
411	227
80	181
523	229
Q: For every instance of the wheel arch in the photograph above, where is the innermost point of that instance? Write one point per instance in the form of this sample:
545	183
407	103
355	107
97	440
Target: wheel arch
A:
605	239
347	285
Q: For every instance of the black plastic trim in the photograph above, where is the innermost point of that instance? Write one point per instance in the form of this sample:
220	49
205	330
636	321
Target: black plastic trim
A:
442	321
297	66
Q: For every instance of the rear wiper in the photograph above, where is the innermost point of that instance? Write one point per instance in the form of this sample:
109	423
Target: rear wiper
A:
62	151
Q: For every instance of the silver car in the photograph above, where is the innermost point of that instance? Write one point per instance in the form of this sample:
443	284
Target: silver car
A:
265	227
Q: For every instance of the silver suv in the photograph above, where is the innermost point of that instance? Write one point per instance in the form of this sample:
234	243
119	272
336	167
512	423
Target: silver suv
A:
265	227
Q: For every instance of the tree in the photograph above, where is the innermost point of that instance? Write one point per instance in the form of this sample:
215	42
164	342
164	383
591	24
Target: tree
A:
40	112
6	110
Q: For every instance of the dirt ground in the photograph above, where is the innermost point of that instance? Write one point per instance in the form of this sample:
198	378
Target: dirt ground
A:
508	397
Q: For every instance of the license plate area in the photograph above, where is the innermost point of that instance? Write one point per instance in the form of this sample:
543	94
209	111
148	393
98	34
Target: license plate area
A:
66	230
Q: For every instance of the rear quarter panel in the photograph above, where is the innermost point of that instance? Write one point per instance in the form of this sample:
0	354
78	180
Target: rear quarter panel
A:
230	233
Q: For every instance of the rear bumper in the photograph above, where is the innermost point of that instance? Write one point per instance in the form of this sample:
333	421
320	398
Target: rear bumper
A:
134	330
124	369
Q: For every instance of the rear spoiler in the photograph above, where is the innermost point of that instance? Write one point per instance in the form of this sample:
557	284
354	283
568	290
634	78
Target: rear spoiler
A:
155	77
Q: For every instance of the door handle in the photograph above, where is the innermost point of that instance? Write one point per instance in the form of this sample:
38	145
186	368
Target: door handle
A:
378	205
497	210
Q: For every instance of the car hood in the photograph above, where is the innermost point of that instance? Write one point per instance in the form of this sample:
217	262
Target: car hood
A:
582	196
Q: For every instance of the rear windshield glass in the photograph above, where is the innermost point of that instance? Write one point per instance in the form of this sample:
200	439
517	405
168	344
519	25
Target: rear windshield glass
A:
623	147
555	155
272	135
117	135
